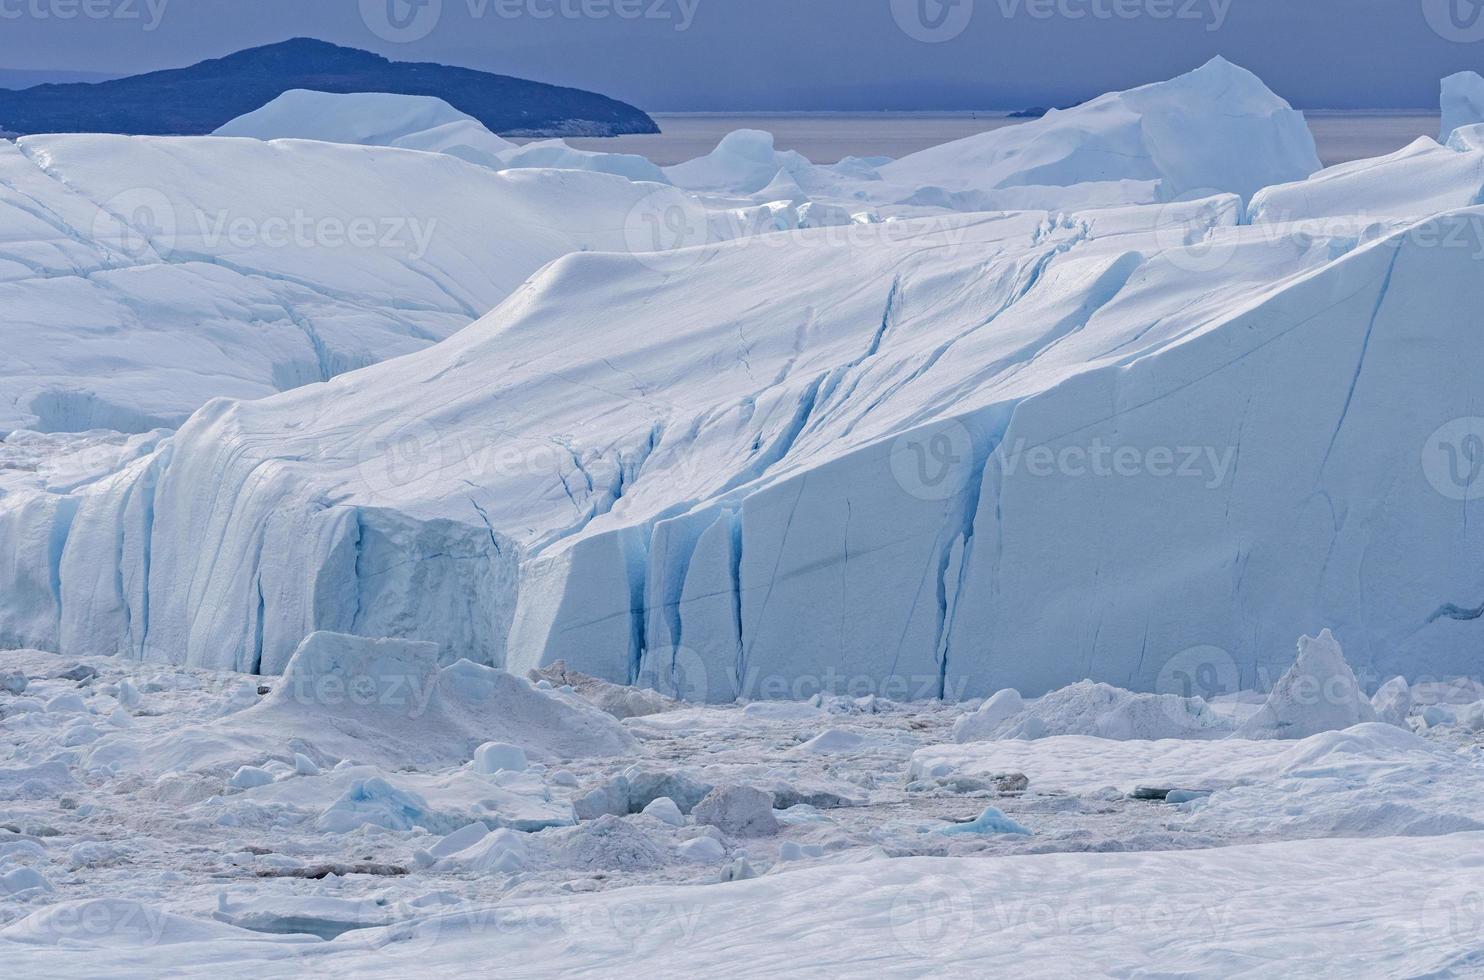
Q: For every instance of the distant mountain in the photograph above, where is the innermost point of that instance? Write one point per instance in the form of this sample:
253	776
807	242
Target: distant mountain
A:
17	78
197	100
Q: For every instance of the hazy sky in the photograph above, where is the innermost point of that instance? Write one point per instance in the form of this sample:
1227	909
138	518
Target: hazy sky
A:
805	54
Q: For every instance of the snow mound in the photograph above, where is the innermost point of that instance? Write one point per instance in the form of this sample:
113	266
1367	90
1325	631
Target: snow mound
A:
1215	128
1462	102
1104	711
381	702
1319	693
395	689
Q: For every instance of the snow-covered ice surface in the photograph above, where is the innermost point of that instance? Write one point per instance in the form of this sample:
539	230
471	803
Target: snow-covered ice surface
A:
613	576
141	277
885	843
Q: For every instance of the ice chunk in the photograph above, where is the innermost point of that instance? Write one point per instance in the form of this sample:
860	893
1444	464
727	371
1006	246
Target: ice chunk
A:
492	757
833	740
738	811
1319	693
664	810
1088	708
249	776
499	852
373	801
22	880
702	850
1393	702
983	723
462	839
991	821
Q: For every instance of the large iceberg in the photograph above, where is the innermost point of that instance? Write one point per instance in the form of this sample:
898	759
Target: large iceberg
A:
943	455
1169	452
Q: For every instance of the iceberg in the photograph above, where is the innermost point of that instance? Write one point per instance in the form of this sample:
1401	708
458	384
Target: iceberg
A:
414	122
1462	102
1218	128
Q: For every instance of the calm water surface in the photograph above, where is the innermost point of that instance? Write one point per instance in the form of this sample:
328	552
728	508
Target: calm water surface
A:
827	137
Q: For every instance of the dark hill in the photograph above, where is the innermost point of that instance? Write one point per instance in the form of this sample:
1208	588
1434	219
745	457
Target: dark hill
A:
196	100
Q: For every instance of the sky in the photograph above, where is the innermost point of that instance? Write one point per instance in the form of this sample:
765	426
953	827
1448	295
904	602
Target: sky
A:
857	55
